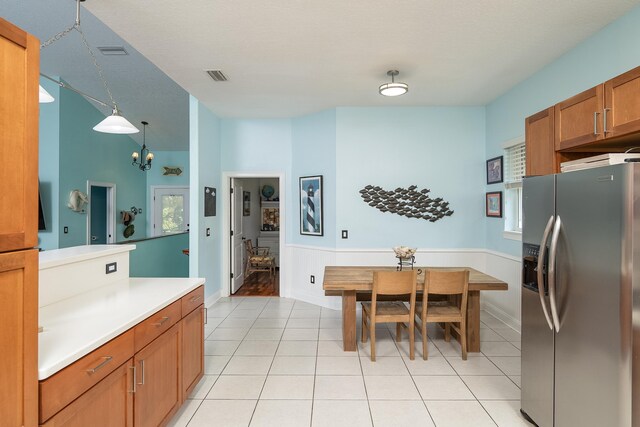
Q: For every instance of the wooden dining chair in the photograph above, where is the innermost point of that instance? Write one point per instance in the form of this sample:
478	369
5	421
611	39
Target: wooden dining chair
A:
400	283
455	285
258	259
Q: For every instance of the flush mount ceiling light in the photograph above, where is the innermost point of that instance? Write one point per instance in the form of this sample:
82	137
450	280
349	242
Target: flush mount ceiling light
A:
145	156
393	88
112	124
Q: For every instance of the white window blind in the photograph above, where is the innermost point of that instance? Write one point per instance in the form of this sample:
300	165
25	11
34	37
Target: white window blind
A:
515	166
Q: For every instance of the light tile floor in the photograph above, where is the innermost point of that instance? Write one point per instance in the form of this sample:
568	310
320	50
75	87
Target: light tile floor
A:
279	362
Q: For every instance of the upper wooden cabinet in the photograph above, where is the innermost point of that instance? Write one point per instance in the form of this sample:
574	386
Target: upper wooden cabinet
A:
19	68
539	142
578	119
622	104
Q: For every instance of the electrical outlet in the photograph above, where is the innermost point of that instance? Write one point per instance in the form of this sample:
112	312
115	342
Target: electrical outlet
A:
208	232
112	267
345	234
66	230
313	279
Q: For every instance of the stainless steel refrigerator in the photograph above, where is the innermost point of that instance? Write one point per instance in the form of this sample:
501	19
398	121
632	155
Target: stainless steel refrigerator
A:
581	298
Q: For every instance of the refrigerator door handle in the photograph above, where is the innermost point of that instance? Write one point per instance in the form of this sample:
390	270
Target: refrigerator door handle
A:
540	270
552	273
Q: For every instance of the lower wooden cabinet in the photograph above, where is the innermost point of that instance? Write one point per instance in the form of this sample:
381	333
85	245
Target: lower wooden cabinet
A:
158	394
109	403
192	350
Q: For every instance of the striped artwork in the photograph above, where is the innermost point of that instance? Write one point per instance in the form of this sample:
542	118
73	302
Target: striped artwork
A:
311	205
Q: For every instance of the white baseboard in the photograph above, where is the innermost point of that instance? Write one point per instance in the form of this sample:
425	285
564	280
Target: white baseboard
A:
212	299
501	315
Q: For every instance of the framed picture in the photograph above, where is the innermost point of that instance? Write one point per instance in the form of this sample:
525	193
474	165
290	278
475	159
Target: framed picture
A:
246	203
494	204
311	218
209	201
494	170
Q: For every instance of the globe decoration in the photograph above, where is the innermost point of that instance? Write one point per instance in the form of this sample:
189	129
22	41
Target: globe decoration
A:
267	191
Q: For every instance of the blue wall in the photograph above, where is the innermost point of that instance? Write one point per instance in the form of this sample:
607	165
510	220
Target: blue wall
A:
89	155
204	146
313	152
49	166
160	257
611	51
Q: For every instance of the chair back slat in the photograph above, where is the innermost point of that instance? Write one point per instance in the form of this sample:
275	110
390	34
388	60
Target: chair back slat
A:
444	282
394	282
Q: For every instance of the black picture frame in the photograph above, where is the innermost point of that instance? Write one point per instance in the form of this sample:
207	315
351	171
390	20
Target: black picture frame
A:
209	201
311	214
493	204
495	170
246	203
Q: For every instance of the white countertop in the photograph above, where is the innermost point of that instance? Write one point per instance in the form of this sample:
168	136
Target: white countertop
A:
76	326
55	257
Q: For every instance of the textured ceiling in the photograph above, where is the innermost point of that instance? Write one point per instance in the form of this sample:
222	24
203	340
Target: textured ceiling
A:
287	58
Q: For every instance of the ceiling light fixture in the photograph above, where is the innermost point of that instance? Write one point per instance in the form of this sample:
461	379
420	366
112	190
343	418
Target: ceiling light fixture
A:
145	154
114	123
393	88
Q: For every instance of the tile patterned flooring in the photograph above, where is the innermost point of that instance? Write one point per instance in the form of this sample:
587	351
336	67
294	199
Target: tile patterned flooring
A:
279	362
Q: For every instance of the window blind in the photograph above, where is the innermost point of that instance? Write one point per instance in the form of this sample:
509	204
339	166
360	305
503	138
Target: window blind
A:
515	166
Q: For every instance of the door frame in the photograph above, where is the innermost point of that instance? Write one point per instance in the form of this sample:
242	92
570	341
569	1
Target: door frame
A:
235	215
226	227
111	210
151	211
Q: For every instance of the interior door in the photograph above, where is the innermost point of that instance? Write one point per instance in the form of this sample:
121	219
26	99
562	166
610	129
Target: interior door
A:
170	210
237	237
98	199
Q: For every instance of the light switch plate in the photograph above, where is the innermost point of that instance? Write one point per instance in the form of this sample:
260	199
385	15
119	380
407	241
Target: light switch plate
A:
345	234
313	279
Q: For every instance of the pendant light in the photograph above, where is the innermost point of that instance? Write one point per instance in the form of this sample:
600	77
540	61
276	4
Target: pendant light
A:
393	88
145	155
44	97
115	123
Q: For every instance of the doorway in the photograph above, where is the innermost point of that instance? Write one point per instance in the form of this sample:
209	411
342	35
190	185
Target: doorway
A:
170	210
101	214
254	244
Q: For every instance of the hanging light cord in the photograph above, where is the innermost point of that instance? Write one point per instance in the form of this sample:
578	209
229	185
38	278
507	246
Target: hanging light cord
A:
76	26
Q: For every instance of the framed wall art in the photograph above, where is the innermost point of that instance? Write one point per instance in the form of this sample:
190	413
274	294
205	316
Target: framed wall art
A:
494	204
494	170
246	203
311	218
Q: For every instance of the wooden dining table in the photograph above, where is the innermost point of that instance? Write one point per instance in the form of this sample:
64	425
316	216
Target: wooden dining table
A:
355	284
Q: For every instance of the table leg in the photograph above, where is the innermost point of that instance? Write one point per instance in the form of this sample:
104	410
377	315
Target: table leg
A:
473	321
349	320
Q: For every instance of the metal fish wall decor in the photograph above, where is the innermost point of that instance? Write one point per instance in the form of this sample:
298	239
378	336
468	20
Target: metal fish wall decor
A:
409	202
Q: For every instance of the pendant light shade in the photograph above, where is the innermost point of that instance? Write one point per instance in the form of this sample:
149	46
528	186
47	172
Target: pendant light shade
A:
44	96
115	123
393	88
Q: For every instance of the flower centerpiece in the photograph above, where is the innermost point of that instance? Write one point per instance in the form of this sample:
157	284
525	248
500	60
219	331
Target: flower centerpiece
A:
405	255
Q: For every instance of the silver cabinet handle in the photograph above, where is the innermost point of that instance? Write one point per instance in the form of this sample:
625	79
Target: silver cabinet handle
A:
552	273
106	359
142	372
162	321
133	389
595	122
540	268
194	298
604	120
206	313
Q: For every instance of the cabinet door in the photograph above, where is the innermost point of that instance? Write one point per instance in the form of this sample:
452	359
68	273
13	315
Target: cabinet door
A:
108	403
578	120
157	395
19	67
192	350
19	338
622	101
541	153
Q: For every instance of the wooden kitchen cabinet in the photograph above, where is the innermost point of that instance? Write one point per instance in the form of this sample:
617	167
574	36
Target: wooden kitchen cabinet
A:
192	350
539	143
622	104
19	338
19	68
108	404
158	394
578	120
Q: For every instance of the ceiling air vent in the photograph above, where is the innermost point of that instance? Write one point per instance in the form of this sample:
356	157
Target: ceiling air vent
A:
112	50
217	75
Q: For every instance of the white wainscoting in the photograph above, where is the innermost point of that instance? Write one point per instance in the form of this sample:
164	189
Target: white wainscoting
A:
304	261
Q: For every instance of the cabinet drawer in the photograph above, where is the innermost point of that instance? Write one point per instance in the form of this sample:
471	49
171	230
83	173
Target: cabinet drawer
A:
192	300
59	390
152	327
